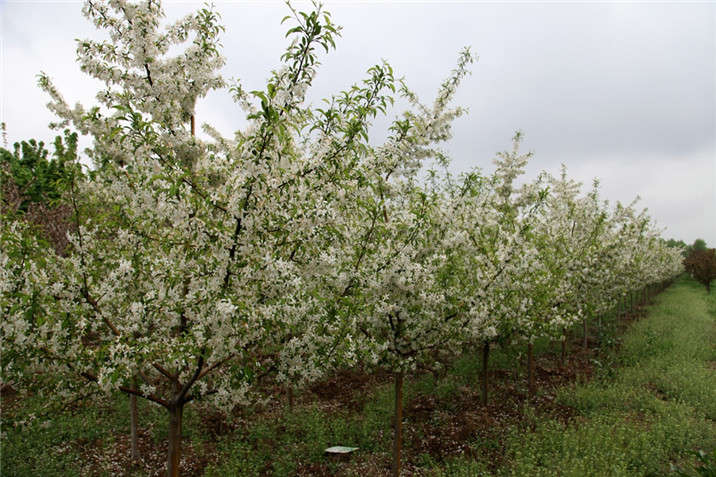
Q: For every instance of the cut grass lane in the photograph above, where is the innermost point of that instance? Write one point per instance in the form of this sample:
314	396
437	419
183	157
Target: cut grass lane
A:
657	407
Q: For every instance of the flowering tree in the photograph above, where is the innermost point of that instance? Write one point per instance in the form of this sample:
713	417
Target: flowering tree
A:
495	218
573	226
194	268
390	267
633	237
191	267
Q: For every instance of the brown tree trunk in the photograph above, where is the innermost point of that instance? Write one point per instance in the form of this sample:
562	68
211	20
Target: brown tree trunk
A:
531	371
563	356
485	357
585	343
175	427
193	127
398	437
290	397
133	420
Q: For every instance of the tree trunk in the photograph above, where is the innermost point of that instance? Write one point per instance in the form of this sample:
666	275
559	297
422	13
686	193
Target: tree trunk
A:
133	419
175	427
585	343
398	437
290	397
563	356
531	371
485	357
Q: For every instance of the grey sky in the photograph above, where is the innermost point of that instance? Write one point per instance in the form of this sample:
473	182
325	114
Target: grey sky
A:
622	92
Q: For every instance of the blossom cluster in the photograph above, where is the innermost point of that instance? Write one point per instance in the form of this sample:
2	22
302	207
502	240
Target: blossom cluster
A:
197	267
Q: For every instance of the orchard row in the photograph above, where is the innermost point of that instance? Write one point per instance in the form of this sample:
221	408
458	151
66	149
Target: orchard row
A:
196	267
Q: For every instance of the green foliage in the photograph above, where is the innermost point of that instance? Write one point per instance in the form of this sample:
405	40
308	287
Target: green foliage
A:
39	177
699	245
607	444
40	432
701	264
673	243
705	466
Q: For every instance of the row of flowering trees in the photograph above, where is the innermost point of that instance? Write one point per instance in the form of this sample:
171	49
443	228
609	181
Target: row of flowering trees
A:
297	246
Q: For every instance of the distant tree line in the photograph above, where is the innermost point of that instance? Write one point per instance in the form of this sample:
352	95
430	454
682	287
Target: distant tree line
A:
700	262
33	183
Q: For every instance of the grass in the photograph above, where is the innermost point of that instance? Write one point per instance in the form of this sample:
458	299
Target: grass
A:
657	407
650	403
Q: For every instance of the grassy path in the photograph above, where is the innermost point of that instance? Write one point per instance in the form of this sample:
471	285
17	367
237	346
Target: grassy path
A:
656	403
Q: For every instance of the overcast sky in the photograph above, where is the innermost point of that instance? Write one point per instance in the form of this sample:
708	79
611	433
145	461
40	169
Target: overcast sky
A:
622	92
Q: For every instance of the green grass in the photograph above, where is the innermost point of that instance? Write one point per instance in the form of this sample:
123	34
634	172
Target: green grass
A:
655	409
52	443
651	403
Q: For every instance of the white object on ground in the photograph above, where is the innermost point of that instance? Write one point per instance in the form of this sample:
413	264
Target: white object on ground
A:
340	450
